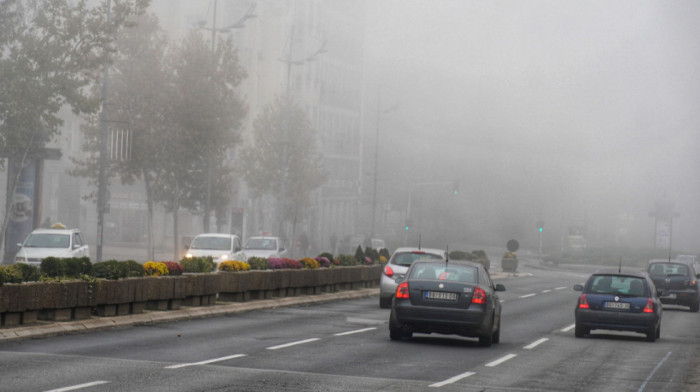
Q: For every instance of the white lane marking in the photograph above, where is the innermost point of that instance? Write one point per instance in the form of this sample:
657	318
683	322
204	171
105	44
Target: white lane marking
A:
293	344
546	291
364	321
355	331
528	295
535	343
451	380
80	386
181	365
658	365
560	288
569	328
501	360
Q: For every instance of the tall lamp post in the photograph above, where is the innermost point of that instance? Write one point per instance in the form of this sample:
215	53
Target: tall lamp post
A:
285	139
376	158
250	13
101	180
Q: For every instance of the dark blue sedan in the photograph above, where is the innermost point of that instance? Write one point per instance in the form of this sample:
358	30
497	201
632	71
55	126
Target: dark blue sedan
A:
619	301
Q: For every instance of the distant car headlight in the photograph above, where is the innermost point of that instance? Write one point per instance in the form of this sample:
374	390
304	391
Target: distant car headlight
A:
188	255
223	257
20	259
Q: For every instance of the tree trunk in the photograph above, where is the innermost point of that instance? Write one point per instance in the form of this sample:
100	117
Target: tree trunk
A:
176	228
150	250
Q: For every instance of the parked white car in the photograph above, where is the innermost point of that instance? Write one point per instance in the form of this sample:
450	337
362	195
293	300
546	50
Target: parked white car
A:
43	243
221	247
265	247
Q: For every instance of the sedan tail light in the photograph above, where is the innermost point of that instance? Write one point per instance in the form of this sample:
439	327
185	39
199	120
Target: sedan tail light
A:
479	296
402	291
388	271
649	308
583	302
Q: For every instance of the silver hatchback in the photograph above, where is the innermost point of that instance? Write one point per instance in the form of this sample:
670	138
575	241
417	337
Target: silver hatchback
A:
397	266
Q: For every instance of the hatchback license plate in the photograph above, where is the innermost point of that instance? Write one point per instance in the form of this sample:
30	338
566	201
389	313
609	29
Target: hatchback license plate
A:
441	295
617	305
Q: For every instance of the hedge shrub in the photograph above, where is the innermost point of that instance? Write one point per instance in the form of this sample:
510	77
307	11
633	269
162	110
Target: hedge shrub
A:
258	263
112	269
198	264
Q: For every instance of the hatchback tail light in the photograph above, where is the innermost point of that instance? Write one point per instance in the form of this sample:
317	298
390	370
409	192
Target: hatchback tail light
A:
479	296
402	291
388	271
649	308
583	302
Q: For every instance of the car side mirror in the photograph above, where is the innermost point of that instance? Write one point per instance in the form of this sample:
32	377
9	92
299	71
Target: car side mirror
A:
578	287
500	287
238	249
19	244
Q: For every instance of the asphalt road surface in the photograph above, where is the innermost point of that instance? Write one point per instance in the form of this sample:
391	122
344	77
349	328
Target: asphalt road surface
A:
345	346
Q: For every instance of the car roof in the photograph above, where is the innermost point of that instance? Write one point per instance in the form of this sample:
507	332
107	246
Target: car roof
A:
55	231
441	262
672	261
623	272
215	235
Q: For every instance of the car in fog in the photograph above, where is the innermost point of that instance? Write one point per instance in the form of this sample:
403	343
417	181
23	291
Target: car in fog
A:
447	297
43	243
677	281
221	247
619	301
266	247
396	267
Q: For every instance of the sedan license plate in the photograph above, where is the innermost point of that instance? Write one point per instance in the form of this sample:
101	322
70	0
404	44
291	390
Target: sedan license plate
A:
617	305
440	295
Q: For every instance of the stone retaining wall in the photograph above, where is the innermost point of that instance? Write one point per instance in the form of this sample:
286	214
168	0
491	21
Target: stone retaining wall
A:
27	303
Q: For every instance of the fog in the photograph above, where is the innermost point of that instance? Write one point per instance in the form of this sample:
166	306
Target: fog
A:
542	110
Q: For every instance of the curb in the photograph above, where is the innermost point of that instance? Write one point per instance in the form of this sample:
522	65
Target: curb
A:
152	317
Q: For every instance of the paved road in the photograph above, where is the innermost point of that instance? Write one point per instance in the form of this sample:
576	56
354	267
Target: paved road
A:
344	346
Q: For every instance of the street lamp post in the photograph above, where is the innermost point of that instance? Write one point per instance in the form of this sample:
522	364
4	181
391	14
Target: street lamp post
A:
250	13
410	197
101	180
376	158
285	139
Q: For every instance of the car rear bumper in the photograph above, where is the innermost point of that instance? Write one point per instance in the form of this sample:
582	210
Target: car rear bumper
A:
617	321
680	297
466	322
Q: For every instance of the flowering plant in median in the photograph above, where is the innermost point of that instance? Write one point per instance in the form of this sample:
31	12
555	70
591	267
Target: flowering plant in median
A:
155	268
234	265
309	263
281	263
323	261
174	268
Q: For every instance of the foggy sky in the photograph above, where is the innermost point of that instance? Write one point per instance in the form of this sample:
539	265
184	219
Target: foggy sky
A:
570	107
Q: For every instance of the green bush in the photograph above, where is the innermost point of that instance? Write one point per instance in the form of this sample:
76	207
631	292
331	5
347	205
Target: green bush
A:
460	255
29	273
77	266
111	269
327	255
198	264
53	267
372	254
258	263
384	252
479	256
134	269
347	260
359	255
8	274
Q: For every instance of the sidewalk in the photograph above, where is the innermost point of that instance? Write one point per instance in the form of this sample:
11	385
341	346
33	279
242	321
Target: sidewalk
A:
46	328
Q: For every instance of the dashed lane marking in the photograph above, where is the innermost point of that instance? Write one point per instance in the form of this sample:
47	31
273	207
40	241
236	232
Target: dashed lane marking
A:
293	344
181	365
451	380
501	360
355	331
569	328
528	295
79	386
535	343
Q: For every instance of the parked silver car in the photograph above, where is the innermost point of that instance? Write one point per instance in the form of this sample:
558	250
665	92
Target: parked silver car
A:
397	266
43	243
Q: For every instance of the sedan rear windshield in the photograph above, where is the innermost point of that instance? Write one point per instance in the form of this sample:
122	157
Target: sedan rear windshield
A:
408	258
450	272
617	285
668	269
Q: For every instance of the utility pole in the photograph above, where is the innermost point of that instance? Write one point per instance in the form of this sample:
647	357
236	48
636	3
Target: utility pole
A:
376	158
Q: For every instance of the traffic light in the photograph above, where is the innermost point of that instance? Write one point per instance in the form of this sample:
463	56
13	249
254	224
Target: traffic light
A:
408	224
540	226
455	188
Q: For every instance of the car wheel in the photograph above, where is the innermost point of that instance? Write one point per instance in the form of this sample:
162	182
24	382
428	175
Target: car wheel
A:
487	340
695	307
651	335
497	335
384	303
580	331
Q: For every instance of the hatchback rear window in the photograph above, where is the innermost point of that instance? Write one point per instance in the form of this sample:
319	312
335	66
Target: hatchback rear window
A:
617	285
668	269
408	258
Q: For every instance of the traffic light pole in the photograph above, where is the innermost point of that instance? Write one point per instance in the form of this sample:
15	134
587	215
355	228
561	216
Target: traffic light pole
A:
410	198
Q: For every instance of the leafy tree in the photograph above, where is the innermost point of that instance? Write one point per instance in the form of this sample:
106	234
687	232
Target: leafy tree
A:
283	123
52	50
